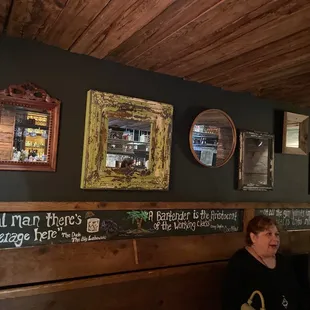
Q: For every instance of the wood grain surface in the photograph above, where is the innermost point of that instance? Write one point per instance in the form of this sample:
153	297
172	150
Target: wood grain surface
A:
256	46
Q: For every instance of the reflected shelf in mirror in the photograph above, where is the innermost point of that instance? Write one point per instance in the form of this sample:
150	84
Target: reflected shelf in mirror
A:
128	144
212	138
23	134
29	120
138	130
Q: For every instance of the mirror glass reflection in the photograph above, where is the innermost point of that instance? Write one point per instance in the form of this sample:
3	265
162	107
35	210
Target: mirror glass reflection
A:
295	133
292	135
24	134
128	144
256	161
213	138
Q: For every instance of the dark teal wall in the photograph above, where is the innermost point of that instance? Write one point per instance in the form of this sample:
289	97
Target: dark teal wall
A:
68	77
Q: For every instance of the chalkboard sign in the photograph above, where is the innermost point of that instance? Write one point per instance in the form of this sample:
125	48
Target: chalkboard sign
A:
288	219
41	228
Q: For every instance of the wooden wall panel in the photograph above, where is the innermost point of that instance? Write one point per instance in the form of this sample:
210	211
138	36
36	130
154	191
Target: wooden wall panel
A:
221	35
192	287
270	52
107	31
265	24
4	10
161	252
58	262
71	22
17	206
275	69
28	17
184	38
50	263
176	16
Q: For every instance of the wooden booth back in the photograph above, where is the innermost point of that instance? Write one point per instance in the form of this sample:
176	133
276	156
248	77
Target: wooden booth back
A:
164	267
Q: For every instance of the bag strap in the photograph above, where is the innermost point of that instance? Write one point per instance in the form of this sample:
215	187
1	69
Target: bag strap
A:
247	306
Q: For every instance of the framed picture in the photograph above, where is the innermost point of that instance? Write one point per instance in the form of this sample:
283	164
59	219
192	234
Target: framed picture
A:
127	143
295	134
256	161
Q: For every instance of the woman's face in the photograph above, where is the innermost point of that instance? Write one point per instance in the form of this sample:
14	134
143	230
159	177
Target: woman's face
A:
267	242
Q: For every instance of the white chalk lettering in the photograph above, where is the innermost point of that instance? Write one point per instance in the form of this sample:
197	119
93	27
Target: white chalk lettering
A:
94	238
151	216
221	215
204	214
69	220
16	238
156	225
23	221
185	225
3	221
165	226
195	215
44	235
172	216
203	223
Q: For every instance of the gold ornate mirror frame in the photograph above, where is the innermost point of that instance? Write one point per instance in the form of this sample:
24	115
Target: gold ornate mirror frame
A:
101	107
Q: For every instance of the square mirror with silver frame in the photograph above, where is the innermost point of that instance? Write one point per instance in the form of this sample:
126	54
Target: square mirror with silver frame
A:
256	161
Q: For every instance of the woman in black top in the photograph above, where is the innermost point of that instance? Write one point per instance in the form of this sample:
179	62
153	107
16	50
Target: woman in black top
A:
258	266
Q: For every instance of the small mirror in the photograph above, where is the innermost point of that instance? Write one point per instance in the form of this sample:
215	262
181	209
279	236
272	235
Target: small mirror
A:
213	138
128	143
295	133
256	161
28	129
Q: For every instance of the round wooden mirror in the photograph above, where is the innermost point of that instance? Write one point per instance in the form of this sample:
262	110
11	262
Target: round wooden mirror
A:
213	138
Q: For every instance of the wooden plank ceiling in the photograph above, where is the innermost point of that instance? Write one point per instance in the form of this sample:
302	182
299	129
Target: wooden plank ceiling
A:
258	46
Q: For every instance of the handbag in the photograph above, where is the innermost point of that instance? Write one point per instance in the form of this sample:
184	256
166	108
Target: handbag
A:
247	306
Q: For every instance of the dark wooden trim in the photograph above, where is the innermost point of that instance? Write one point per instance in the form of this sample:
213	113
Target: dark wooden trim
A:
18	206
247	216
68	261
